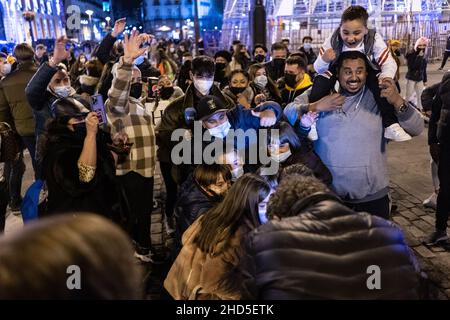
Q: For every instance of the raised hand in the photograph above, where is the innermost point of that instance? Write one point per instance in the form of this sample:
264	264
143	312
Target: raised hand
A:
131	47
91	124
329	55
60	53
119	26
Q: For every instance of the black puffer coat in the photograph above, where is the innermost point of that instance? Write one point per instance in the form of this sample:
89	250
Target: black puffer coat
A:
324	253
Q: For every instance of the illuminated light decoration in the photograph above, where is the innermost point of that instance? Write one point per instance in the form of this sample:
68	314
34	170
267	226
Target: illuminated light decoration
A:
164	28
35	6
42	6
84	22
49	8
27	5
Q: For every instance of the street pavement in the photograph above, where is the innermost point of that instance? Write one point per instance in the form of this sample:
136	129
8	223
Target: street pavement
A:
409	170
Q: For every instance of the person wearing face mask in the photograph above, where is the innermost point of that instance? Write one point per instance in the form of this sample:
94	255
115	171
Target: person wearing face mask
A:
78	166
296	79
262	84
288	149
416	77
49	83
127	115
259	54
308	51
275	67
212	245
202	190
222	59
240	91
202	77
16	111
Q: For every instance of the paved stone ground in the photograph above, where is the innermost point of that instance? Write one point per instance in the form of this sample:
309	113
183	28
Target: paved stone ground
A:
409	171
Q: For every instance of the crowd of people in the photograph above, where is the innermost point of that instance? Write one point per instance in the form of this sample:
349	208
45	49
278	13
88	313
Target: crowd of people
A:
308	229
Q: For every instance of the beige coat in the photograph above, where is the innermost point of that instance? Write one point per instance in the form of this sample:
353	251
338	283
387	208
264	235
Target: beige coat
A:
196	275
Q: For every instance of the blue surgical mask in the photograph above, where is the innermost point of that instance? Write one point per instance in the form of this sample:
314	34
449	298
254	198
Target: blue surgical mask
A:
139	60
63	91
220	131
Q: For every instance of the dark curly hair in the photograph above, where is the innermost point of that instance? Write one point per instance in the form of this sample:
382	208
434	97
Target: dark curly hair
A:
290	190
295	169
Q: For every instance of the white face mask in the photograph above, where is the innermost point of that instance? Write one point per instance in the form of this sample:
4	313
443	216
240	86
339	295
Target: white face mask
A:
260	81
203	85
63	91
280	157
236	173
262	216
82	60
307	46
6	69
172	50
220	131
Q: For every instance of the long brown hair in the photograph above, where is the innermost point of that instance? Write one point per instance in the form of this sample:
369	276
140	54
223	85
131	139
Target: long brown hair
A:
273	89
240	206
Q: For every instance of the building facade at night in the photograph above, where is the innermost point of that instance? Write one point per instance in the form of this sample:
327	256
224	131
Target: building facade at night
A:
44	17
166	17
406	20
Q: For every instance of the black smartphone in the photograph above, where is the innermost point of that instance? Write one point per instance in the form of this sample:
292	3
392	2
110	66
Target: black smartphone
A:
99	107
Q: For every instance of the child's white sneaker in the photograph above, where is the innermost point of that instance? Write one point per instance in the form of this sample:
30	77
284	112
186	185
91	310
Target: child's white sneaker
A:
396	133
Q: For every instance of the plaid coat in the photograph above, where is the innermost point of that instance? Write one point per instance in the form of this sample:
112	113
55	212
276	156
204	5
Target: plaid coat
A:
128	114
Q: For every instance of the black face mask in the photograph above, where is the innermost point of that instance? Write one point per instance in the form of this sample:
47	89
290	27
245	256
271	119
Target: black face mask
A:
216	197
136	90
290	79
237	90
220	66
260	57
166	92
279	62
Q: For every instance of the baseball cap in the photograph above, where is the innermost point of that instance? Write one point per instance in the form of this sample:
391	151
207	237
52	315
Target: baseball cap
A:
209	105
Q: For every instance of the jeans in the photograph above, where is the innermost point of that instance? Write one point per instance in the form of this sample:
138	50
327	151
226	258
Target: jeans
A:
444	60
30	143
379	207
171	187
139	193
14	171
414	86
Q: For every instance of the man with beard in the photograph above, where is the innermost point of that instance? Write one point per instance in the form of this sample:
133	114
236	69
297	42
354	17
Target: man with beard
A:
296	79
350	134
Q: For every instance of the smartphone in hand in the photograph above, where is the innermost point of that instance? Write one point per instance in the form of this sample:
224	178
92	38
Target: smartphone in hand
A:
99	107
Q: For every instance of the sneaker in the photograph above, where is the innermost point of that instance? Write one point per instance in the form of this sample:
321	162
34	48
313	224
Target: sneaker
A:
431	201
396	133
440	68
312	135
435	238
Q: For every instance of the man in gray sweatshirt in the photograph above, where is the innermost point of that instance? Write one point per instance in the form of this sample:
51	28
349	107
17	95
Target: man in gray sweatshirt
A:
350	131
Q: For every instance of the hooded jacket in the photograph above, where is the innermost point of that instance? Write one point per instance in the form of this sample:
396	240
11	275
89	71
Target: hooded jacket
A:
324	251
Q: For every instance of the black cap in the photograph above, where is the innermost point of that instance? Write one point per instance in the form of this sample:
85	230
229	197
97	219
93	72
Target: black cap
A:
209	105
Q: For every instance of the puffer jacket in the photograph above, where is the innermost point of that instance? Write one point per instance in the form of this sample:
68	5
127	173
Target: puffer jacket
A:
13	101
191	203
324	252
